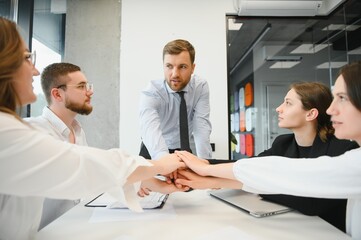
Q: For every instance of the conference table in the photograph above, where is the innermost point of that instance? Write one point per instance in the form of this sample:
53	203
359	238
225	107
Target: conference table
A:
186	215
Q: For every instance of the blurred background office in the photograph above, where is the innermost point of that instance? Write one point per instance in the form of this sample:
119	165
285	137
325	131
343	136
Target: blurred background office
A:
249	51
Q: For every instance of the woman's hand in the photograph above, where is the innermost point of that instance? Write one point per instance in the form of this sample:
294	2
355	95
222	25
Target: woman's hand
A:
193	162
189	178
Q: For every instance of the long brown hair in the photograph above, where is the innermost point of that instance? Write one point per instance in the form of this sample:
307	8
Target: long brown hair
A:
11	58
319	96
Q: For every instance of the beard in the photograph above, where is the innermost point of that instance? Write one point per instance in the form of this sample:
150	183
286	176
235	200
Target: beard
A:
82	109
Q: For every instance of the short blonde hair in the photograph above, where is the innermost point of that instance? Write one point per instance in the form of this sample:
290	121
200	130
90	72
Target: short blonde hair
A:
177	46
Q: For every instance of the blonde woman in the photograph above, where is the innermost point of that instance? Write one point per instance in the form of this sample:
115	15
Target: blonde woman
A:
35	165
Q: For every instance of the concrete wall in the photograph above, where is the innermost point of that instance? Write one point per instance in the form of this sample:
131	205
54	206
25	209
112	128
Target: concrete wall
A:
92	41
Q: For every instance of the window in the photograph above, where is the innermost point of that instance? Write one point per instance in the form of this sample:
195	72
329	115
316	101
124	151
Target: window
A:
48	41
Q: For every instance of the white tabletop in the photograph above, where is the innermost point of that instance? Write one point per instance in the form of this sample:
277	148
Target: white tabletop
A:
197	216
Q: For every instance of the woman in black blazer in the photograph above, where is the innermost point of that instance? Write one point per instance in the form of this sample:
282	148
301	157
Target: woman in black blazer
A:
304	113
330	210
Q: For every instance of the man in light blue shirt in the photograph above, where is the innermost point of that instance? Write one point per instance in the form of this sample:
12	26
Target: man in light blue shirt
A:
159	106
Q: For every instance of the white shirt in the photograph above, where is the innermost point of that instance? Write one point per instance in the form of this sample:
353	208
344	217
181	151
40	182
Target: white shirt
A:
326	177
34	165
51	124
159	117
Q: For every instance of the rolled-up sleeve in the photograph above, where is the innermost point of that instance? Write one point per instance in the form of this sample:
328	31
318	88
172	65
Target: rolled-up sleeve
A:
325	177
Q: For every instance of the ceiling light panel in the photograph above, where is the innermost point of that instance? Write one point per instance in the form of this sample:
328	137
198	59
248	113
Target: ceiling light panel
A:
284	65
309	48
328	65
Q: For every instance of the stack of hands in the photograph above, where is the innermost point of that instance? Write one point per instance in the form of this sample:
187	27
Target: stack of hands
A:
191	176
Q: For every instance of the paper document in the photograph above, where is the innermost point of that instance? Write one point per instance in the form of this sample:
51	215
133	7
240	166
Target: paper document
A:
102	214
152	201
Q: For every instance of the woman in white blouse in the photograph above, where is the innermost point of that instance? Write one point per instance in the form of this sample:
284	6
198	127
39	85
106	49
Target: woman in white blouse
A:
35	165
325	177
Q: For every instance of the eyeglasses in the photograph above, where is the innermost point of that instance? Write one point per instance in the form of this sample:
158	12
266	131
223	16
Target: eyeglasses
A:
31	57
81	86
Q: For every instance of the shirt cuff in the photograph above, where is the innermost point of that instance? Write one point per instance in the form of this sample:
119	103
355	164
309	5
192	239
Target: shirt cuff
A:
128	193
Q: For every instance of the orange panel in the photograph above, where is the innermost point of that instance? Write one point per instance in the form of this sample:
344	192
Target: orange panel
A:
249	145
248	94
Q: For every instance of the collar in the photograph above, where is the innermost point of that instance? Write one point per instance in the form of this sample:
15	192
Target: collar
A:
58	124
169	90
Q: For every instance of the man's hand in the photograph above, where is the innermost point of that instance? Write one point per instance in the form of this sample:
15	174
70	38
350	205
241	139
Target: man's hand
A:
168	164
143	192
157	185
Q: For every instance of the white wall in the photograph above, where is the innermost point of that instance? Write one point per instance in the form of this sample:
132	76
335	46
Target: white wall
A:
146	26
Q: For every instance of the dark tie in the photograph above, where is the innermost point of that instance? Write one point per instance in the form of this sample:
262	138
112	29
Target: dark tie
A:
183	123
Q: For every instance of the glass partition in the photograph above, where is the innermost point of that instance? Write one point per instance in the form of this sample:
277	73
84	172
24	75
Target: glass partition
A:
270	54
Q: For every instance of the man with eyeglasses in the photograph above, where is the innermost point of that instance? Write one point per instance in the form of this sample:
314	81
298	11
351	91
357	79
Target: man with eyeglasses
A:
67	93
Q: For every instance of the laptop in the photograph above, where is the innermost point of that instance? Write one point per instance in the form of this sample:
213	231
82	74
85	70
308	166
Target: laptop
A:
249	202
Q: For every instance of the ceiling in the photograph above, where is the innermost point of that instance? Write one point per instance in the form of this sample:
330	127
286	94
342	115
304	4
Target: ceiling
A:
286	7
291	32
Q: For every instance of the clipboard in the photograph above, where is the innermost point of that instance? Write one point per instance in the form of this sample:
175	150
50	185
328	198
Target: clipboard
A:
154	200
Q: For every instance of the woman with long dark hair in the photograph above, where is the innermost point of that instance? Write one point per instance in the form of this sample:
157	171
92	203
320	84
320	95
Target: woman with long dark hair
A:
322	177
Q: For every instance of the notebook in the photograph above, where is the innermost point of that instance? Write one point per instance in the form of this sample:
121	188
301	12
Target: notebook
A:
249	202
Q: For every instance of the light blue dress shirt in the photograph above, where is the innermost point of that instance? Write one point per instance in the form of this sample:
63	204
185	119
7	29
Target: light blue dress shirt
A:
159	117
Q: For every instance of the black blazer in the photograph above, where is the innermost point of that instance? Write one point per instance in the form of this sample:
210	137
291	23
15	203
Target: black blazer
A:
331	210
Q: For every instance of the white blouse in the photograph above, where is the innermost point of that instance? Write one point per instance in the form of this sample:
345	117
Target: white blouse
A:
326	177
34	165
49	123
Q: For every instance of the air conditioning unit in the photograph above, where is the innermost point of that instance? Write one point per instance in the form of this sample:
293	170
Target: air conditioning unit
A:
286	7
